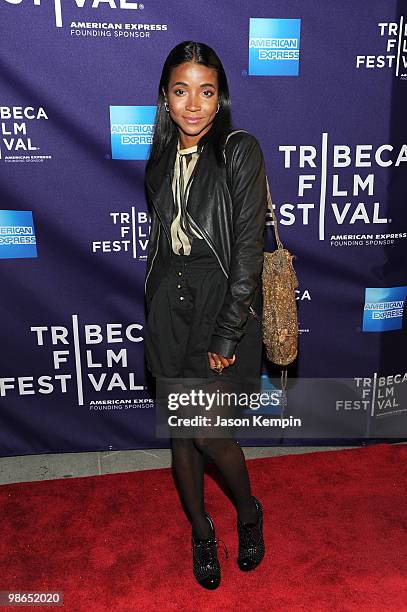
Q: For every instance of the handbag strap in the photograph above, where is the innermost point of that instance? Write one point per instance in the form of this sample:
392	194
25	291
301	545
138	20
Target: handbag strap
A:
273	214
269	200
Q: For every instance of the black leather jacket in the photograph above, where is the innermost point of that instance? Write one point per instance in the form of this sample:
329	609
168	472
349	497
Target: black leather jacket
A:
232	222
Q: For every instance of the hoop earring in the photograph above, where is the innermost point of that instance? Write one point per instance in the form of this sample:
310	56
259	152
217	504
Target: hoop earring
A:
167	108
218	107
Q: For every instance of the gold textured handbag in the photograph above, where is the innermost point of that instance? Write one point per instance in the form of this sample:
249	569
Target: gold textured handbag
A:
279	302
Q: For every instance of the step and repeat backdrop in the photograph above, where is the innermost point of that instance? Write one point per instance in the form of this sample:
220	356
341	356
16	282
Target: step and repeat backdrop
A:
323	87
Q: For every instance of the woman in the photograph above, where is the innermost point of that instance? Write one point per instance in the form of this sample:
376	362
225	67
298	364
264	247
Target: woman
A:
203	278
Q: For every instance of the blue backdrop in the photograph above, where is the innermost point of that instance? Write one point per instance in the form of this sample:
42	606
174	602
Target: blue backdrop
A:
322	87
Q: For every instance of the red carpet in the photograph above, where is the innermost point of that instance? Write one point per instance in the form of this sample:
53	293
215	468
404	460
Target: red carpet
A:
335	530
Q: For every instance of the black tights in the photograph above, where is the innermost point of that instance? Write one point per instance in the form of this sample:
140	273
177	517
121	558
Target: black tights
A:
188	463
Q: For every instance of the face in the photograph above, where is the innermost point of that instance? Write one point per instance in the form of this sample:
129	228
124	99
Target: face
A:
193	100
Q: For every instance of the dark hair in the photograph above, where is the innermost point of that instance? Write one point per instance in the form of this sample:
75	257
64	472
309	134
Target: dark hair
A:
165	130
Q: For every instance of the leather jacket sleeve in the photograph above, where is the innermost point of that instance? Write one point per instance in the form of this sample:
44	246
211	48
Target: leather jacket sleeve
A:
152	243
150	251
249	197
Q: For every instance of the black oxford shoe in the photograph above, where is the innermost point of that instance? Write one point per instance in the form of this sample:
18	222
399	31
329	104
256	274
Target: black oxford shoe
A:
205	561
251	541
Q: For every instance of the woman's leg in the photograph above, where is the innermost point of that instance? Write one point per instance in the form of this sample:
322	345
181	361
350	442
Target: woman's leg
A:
220	445
230	460
188	463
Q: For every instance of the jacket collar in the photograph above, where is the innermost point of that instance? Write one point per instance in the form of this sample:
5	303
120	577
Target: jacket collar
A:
159	182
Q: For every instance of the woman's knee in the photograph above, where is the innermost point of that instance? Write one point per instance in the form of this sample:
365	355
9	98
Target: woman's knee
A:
200	443
182	443
211	444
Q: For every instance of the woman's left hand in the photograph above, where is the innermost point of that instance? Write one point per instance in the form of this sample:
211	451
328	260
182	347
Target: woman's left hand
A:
220	361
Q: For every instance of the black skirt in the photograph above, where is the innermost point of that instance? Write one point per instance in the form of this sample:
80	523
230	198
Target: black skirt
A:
182	317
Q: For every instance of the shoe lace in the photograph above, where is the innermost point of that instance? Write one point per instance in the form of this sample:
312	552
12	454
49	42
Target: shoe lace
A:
225	550
208	549
250	534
